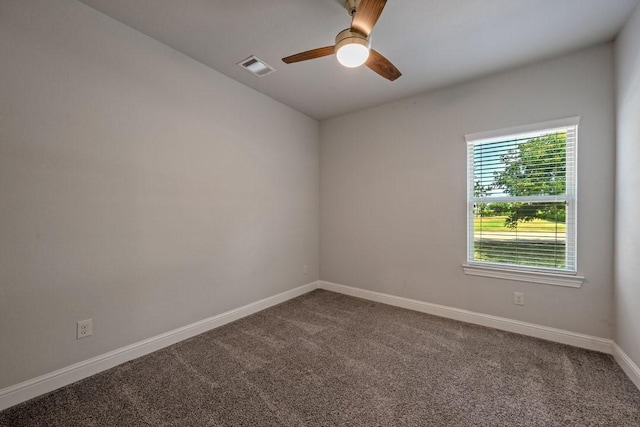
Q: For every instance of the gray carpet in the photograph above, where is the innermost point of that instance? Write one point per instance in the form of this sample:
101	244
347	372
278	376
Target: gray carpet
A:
325	359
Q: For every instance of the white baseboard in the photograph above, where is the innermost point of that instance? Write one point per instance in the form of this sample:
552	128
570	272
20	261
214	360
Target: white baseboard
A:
24	391
628	366
530	329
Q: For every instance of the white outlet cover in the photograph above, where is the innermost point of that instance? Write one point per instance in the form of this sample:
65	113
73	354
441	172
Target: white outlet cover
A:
518	298
85	328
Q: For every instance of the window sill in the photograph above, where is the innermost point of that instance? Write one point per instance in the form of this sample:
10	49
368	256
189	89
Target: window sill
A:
556	279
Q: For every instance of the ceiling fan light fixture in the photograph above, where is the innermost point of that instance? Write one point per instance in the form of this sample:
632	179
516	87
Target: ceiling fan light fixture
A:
353	45
352	48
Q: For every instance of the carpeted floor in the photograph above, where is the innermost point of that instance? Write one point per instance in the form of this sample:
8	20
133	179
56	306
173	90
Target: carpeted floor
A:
326	359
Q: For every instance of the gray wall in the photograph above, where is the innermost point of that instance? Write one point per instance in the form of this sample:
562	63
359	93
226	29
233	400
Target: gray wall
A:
393	192
627	268
137	187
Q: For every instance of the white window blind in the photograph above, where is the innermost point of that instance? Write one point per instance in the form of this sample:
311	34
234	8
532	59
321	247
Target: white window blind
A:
522	197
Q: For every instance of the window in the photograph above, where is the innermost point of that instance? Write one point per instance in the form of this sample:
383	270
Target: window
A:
521	200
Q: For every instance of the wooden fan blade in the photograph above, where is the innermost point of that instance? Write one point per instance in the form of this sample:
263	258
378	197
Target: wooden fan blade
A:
367	15
309	54
382	65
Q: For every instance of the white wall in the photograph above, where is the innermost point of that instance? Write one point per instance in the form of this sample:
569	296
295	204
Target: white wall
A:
137	187
393	192
627	267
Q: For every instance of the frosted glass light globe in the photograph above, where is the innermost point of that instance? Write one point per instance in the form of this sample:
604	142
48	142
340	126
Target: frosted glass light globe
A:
352	55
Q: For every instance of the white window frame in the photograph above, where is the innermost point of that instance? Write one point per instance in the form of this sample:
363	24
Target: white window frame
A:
524	273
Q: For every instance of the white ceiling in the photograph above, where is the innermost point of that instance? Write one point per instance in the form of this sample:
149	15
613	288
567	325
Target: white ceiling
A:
434	43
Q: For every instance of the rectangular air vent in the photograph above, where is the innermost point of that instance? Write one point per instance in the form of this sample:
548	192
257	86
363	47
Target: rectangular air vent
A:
256	66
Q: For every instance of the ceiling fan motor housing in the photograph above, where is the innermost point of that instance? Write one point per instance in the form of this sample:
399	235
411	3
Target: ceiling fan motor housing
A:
350	36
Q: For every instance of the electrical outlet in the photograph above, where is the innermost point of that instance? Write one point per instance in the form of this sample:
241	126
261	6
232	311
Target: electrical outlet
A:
305	269
85	328
518	298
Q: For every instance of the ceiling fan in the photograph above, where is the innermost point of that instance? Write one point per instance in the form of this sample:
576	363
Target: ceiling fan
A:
353	45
